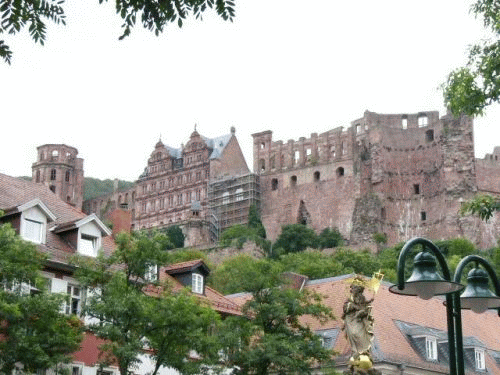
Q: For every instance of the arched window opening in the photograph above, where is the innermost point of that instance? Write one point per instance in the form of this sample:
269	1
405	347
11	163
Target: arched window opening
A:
340	171
52	188
404	122
423	120
316	176
274	184
67	176
53	174
37	176
262	165
293	180
429	135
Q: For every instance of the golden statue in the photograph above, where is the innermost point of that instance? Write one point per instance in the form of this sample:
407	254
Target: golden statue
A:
358	324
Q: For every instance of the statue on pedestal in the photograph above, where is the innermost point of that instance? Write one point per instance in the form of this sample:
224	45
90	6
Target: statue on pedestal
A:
358	325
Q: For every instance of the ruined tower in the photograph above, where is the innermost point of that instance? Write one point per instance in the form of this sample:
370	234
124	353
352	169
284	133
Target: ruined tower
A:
61	170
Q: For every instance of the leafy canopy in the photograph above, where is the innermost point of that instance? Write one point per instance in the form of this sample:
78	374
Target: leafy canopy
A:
35	334
472	88
274	339
154	15
123	307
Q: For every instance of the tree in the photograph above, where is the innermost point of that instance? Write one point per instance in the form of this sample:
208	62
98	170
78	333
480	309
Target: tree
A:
239	273
296	237
471	88
330	238
273	339
176	236
255	222
35	334
125	312
153	14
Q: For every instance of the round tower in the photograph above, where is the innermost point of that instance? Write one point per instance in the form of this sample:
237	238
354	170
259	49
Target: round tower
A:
61	170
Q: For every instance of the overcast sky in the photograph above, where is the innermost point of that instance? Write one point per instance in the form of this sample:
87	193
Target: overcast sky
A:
293	67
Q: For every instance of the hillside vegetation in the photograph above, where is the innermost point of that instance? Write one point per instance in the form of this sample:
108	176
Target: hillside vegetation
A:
94	187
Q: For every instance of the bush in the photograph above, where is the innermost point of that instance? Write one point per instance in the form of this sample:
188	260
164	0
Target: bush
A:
330	238
295	238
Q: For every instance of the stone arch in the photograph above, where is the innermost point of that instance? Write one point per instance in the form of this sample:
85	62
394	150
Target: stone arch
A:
303	216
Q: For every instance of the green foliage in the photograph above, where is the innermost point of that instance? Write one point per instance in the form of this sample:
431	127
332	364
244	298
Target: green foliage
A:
275	340
242	273
34	331
482	205
255	222
15	15
237	235
330	238
154	16
296	237
187	254
312	264
456	246
471	88
126	316
176	236
357	261
93	187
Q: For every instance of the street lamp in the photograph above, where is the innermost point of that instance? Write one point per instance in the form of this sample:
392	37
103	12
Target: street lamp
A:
425	282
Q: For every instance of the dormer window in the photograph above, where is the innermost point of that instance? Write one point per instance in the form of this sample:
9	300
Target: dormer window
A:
151	273
197	283
34	218
479	359
431	348
88	245
33	230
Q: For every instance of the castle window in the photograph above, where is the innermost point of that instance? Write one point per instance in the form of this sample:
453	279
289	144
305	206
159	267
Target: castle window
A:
52	188
340	171
429	135
37	176
274	184
423	216
423	120
293	180
416	189
262	145
308	154
344	148
67	176
404	122
358	128
225	197
383	213
55	154
332	151
431	348
296	157
316	176
53	174
262	166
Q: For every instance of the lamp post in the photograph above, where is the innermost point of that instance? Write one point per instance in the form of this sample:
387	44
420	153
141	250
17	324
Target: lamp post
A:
425	282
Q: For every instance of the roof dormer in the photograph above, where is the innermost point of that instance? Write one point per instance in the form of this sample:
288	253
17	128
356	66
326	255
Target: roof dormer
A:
30	219
84	234
191	274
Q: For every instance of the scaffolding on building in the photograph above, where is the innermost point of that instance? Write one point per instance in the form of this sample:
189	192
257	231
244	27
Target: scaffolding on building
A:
229	201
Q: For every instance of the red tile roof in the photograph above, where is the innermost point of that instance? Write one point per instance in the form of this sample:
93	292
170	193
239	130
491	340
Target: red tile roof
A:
15	192
390	343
